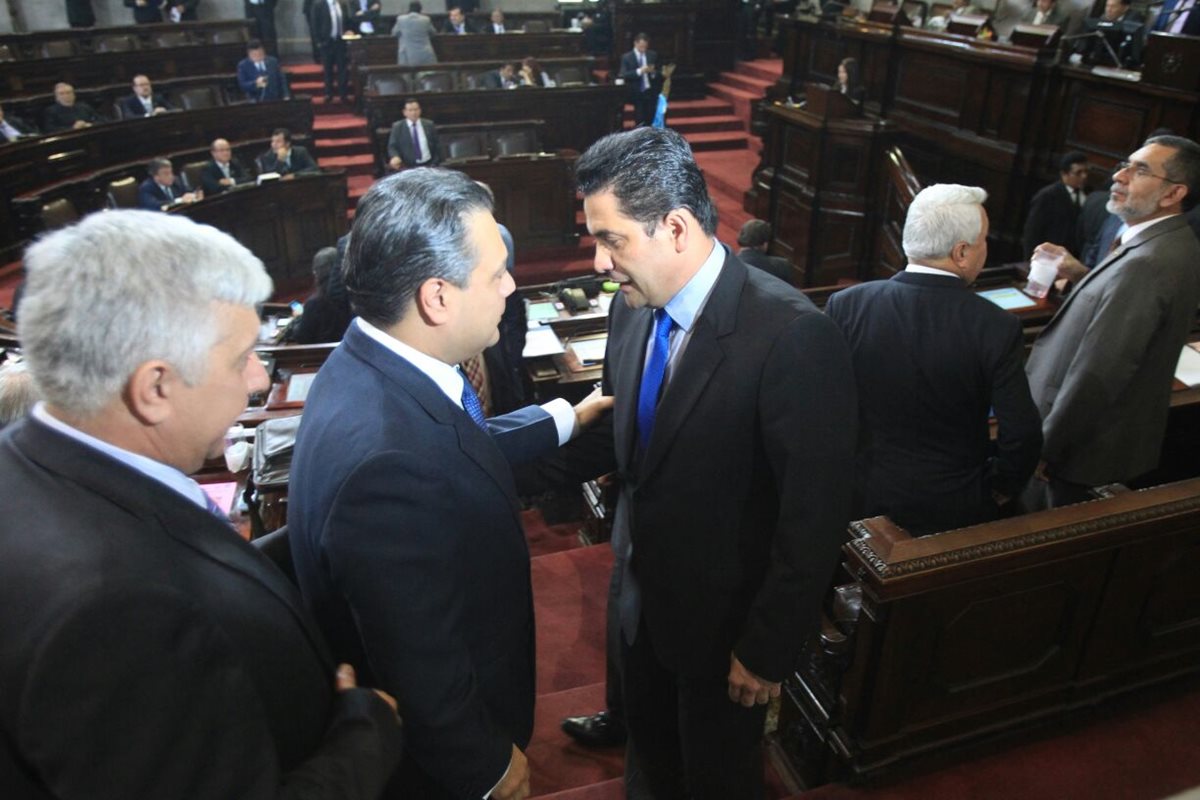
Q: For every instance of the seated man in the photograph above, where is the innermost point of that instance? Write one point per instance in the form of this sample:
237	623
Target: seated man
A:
285	158
931	358
260	77
14	128
162	189
157	653
1045	12
503	78
223	171
143	102
497	22
957	8
413	141
181	10
145	12
67	113
456	22
754	238
1054	210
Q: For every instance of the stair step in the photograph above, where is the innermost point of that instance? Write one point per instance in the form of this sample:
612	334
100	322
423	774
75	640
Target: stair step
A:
763	69
705	107
689	125
332	125
746	83
354	165
349	146
308	87
739	98
720	140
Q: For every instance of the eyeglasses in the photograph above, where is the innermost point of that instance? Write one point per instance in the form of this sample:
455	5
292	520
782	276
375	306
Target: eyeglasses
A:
1141	171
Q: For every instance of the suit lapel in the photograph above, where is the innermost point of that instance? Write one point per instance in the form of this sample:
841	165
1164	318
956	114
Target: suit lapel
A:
630	352
179	518
475	443
698	362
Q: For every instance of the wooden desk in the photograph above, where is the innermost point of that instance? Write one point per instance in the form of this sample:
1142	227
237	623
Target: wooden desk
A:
25	46
283	222
575	117
380	51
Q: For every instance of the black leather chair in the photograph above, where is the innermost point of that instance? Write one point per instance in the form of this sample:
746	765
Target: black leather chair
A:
435	81
122	193
58	214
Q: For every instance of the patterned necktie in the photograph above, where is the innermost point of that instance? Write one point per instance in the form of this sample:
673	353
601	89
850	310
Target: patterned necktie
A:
470	403
416	144
652	376
476	371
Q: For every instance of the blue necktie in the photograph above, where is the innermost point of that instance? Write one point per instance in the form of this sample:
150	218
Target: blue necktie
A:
652	376
1164	16
471	405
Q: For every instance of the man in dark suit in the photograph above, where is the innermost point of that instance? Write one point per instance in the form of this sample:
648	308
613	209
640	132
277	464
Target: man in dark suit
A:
734	498
404	521
329	19
223	171
639	70
503	78
143	102
260	77
67	113
162	189
754	238
1102	368
456	22
413	141
286	158
157	653
1054	210
263	14
181	10
496	25
14	128
1178	16
933	361
145	12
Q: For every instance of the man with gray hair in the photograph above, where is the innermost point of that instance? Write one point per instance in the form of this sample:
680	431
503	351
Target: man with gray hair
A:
1102	368
147	650
931	358
17	392
404	522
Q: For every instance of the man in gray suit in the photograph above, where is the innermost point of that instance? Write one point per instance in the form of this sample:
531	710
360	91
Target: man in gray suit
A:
413	30
1101	371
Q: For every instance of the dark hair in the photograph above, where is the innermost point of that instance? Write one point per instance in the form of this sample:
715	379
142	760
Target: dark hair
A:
253	44
1183	167
754	233
414	7
851	66
1071	159
284	132
408	100
156	164
641	37
650	171
408	228
455	7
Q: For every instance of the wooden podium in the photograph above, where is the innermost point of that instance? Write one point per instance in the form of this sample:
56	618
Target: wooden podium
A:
827	102
1172	60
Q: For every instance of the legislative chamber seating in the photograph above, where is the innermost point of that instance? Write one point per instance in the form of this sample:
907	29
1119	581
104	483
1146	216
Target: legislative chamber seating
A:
394	79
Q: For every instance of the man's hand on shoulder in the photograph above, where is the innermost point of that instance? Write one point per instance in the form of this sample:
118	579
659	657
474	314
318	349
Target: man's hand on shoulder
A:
747	688
515	783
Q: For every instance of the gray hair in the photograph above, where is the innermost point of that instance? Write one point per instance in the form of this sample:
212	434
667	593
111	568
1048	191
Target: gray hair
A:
940	217
122	288
408	228
17	392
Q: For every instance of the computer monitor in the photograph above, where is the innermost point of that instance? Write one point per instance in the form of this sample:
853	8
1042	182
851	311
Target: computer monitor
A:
1123	38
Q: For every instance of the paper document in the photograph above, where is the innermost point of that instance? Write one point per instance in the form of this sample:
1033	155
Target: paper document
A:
1008	298
590	351
1188	369
298	386
540	311
541	342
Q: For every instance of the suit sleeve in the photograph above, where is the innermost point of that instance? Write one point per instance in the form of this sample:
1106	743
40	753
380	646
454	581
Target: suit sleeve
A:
1034	232
1019	426
247	78
169	711
392	550
808	422
393	146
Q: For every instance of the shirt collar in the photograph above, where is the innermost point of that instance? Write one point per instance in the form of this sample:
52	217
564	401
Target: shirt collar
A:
921	269
689	301
1134	230
156	470
447	378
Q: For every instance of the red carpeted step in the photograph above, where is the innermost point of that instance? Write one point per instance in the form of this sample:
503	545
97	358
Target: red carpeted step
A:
357	186
765	69
334	106
339	124
313	87
544	539
747	83
344	146
354	165
718	140
569	594
609	790
303	68
729	172
739	98
556	762
704	107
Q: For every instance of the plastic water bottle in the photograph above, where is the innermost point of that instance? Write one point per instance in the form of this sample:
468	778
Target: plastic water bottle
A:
1043	270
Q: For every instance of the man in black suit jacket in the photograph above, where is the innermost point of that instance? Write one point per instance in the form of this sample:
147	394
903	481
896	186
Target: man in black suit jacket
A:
157	653
404	522
456	22
736	477
639	70
143	102
181	10
754	238
1054	210
223	171
162	189
329	19
67	113
412	133
933	361
14	128
286	158
260	77
263	14
145	12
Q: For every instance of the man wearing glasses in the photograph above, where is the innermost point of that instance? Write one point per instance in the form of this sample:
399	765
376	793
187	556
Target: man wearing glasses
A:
1101	370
